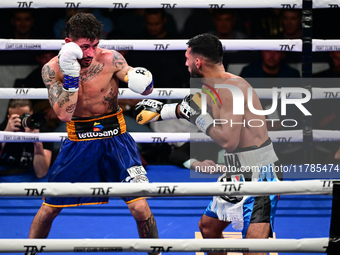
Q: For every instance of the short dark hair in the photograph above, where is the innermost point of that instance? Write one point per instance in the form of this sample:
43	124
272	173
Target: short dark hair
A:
83	25
207	45
14	103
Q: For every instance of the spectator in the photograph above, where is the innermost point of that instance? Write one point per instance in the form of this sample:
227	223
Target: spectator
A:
22	157
291	24
164	64
199	21
271	65
224	21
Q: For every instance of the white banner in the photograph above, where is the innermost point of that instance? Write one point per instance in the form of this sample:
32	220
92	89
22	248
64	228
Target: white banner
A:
30	246
144	137
288	4
326	4
326	93
326	135
165	189
155	45
325	45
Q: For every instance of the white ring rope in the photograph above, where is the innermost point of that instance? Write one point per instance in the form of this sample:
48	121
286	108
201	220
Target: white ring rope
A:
294	4
258	44
151	4
318	245
166	45
147	137
167	93
162	189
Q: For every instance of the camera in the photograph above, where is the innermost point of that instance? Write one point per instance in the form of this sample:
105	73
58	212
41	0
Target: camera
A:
34	121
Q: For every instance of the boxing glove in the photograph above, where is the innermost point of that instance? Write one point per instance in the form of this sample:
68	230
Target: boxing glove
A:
69	65
139	80
191	109
149	110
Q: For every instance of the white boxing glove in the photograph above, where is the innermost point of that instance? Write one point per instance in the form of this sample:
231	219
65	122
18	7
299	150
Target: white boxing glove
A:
67	59
139	80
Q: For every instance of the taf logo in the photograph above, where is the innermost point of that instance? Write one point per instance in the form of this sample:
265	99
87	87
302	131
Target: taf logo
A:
97	126
237	178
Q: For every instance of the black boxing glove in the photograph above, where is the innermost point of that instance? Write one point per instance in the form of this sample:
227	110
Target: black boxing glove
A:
149	110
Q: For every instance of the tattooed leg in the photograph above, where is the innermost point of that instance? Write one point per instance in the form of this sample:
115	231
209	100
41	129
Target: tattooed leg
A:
145	220
147	228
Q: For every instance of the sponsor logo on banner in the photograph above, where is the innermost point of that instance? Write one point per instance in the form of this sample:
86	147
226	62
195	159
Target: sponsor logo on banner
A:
159	139
168	6
25	4
121	92
32	249
166	189
101	191
35	192
117	47
161	248
327	185
21	91
98	249
25	46
232	187
331	94
216	6
333	6
288	6
161	46
135	171
164	92
72	4
286	47
21	138
283	139
120	5
224	250
327	48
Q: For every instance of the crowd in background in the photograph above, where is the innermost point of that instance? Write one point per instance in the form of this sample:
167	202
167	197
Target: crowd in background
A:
168	67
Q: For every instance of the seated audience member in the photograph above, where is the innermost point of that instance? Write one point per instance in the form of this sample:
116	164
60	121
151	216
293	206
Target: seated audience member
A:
291	24
164	64
22	157
22	27
225	21
271	65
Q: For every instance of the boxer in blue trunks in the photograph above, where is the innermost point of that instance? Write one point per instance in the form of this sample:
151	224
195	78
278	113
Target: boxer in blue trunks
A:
249	152
82	84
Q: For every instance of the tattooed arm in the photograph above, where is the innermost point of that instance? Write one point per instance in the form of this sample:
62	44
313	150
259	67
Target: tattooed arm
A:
62	102
120	65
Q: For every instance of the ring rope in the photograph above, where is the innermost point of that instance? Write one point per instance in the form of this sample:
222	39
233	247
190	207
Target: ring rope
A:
168	45
167	93
164	245
154	137
293	4
162	137
162	189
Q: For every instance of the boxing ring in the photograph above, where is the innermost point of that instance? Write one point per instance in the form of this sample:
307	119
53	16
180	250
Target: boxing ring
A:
169	189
